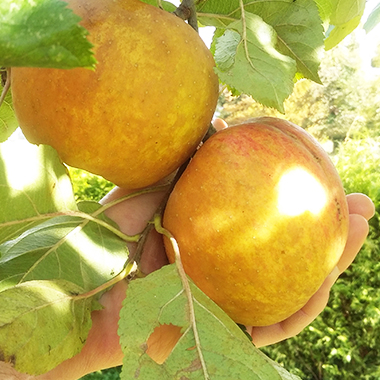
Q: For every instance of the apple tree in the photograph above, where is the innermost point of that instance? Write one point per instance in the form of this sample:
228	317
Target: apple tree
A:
58	256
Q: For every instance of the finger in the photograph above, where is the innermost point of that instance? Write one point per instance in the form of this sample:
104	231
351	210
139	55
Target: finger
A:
361	204
219	124
357	234
115	193
132	215
7	372
266	335
154	255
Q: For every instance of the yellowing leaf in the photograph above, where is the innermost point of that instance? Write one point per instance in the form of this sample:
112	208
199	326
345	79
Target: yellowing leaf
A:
51	250
345	10
42	322
338	33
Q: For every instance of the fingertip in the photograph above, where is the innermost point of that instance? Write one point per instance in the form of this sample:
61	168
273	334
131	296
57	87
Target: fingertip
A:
359	225
361	204
219	124
266	335
358	232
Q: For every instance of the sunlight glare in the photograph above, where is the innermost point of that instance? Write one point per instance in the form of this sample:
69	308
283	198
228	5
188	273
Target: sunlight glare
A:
22	164
298	192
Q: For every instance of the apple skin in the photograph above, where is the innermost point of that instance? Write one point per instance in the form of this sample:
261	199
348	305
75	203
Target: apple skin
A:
261	219
144	109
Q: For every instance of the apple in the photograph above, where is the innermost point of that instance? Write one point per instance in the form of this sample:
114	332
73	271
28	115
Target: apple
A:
143	110
260	218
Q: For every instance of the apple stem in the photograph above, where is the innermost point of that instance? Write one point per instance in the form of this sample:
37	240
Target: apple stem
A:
126	271
186	286
6	82
187	11
159	212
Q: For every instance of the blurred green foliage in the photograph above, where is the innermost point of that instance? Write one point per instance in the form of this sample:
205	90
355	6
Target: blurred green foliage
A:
87	186
106	374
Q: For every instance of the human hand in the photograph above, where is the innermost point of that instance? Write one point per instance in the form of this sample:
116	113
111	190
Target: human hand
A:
102	348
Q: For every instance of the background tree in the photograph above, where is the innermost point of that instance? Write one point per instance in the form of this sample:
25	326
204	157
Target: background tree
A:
376	59
346	103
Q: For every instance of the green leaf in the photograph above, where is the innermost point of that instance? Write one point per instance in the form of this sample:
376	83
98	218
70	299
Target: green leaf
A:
217	33
297	24
218	13
270	73
159	299
343	11
42	323
8	122
373	19
344	19
338	33
42	33
225	49
301	36
64	247
325	8
33	182
48	243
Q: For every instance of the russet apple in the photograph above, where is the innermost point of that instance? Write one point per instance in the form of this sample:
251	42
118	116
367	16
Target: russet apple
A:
260	217
143	110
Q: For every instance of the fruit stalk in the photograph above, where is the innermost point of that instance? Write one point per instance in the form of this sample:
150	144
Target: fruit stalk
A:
161	208
5	82
187	11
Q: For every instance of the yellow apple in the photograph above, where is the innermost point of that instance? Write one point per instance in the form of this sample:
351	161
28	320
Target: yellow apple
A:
260	217
141	113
